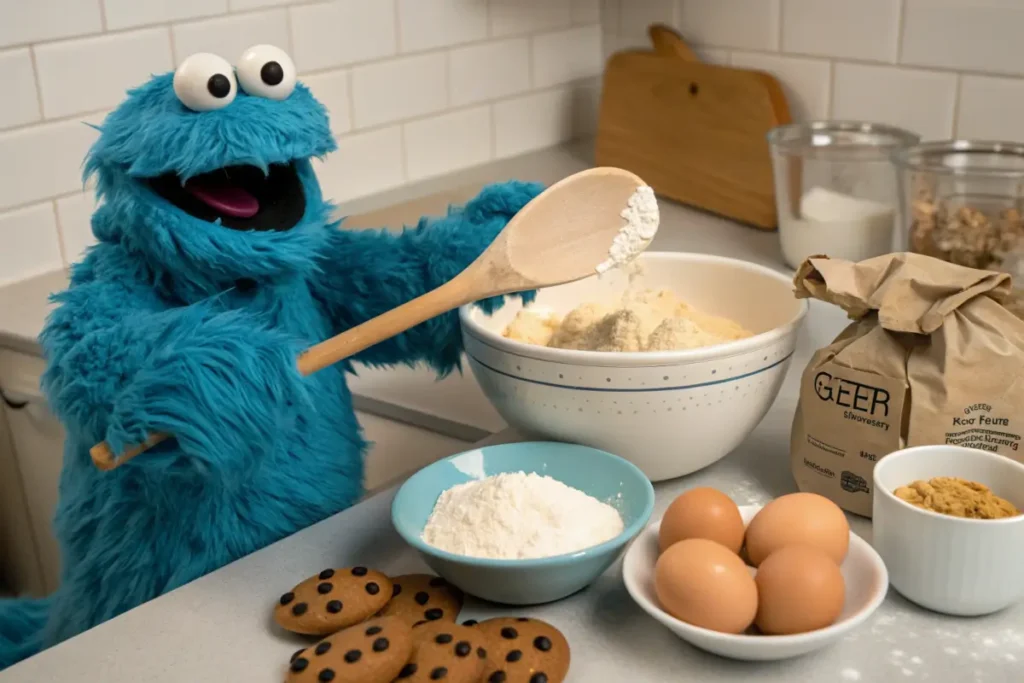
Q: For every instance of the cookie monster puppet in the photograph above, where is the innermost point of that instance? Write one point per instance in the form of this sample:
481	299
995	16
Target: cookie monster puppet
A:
217	264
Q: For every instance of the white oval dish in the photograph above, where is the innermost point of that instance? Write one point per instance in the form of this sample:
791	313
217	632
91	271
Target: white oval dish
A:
866	585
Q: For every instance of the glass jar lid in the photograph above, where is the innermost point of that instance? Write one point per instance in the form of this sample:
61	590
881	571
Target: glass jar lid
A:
982	158
841	139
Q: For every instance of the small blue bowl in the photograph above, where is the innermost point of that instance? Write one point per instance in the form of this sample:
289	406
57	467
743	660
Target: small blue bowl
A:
602	475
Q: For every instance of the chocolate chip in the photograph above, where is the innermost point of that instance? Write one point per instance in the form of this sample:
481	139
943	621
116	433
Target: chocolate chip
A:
373	630
322	648
334	606
299	664
359	571
328	675
539	677
462	648
352	656
509	633
437	581
542	643
434	614
523	619
372	588
295	655
407	670
514	656
443	638
326	574
396	589
497	677
422	598
438	673
481	653
287	597
324	588
299	608
470	622
380	645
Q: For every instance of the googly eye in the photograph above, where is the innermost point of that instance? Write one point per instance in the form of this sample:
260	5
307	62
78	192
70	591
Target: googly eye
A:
205	82
266	71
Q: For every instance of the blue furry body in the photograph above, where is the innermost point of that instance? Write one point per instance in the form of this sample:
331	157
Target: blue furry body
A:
179	325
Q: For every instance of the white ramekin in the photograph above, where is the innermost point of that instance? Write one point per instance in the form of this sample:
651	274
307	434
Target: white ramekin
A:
963	567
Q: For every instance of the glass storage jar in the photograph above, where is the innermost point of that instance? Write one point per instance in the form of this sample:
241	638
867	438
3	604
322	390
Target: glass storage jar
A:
963	201
835	188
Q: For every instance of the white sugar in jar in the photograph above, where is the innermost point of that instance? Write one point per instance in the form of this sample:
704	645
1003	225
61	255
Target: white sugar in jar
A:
838	225
835	188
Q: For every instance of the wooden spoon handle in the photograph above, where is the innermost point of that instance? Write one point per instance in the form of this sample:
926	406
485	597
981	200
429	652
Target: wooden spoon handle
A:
452	294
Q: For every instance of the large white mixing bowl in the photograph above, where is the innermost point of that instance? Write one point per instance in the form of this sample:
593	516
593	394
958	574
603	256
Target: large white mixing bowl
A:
668	412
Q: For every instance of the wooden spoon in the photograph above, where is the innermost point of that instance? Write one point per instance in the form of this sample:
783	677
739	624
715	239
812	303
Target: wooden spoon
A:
561	236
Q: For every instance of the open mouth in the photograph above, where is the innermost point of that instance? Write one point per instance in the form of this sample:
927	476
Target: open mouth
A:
239	197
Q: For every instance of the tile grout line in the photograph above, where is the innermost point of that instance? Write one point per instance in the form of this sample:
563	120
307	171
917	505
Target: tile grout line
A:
61	247
170	44
901	19
493	115
778	26
103	15
397	27
39	91
829	104
956	106
289	30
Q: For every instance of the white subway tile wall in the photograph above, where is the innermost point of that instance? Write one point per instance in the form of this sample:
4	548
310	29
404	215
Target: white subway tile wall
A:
414	88
417	88
942	68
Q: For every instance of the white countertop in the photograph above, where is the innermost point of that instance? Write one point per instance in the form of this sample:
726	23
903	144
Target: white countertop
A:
218	628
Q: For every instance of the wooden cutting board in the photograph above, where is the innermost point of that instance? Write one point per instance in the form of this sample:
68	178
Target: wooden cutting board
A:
696	132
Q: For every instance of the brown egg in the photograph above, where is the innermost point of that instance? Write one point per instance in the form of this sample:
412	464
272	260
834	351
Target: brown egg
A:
702	513
798	518
706	584
799	589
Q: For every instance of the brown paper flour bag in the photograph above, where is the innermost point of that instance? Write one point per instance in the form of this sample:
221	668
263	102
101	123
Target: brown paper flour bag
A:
932	357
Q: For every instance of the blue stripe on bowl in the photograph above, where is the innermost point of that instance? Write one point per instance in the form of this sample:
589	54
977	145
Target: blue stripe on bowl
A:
610	390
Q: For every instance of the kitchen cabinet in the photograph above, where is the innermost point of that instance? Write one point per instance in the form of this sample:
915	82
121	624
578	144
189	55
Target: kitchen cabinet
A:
31	452
30	469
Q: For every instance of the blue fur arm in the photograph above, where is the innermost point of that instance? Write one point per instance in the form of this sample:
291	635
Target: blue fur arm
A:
226	388
368	272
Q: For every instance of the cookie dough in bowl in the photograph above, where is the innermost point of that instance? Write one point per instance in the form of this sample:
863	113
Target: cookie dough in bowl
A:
670	412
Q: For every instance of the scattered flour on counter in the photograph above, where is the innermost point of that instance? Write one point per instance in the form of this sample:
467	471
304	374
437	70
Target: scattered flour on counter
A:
641	215
850	675
519	516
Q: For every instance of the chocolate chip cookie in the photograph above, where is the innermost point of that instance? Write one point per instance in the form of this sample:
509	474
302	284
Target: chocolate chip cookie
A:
523	651
333	600
371	652
422	597
443	651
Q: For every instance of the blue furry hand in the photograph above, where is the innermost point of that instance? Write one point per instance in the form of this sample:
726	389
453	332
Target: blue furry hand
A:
228	391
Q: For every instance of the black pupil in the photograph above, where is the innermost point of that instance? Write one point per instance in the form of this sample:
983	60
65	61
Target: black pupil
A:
272	73
219	85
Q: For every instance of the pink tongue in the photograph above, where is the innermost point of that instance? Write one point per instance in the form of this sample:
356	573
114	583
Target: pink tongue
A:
233	201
